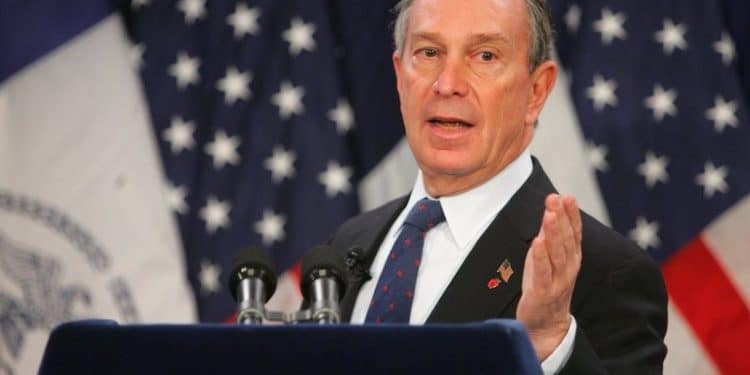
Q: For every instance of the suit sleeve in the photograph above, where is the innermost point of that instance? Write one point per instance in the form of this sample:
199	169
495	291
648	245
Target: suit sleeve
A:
622	321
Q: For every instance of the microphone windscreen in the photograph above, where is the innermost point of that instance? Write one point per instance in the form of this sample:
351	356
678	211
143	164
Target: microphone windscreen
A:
252	262
322	261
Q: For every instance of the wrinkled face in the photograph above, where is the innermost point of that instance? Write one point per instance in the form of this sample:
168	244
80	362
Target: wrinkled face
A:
467	96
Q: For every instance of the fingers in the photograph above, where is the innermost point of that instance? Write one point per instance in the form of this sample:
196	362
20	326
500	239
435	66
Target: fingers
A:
542	269
568	239
554	239
574	215
551	268
537	269
555	254
562	240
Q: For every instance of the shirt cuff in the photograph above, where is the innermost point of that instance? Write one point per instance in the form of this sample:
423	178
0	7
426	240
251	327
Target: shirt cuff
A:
559	357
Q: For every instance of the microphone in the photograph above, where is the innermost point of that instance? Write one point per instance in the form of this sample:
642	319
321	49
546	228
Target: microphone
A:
358	264
251	283
322	283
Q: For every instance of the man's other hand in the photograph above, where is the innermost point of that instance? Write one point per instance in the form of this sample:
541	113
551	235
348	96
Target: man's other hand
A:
550	272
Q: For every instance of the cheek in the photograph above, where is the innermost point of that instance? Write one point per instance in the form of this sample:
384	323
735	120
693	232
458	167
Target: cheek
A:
505	115
413	96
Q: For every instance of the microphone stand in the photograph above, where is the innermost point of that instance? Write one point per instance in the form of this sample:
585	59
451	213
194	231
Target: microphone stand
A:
323	310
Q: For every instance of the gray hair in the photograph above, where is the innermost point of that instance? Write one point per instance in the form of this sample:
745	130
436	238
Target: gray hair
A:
541	35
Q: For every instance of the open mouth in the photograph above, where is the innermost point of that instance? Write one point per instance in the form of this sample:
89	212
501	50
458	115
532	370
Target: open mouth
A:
449	122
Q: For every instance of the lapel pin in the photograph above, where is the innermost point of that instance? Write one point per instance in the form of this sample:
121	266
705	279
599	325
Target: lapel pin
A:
504	272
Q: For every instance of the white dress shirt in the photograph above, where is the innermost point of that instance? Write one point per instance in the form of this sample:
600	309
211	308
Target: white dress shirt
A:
446	246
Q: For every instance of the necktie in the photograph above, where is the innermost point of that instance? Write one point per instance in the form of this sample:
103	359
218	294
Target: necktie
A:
391	302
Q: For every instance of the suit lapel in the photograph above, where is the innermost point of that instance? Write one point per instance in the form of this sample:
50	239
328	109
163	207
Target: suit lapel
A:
470	297
366	237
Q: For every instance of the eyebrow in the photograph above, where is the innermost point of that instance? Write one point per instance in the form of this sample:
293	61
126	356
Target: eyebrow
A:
489	38
432	37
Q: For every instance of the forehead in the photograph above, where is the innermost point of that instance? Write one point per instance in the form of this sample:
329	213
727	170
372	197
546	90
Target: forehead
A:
467	18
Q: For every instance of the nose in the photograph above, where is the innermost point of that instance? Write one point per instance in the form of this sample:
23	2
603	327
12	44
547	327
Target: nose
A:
451	80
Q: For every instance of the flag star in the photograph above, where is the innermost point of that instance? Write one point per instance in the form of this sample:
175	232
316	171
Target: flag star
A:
179	135
573	18
216	214
725	48
137	4
597	156
235	85
336	179
244	20
136	55
343	116
193	9
713	179
281	164
671	37
289	100
208	277
175	196
185	70
299	35
223	149
610	26
271	227
602	92
654	169
661	102
645	233
722	114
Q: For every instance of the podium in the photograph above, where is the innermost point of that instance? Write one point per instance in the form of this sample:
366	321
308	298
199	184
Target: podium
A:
104	347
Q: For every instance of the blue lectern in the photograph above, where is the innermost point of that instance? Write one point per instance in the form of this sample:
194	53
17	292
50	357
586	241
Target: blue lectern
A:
104	347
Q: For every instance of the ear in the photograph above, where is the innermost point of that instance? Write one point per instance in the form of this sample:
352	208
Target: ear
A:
397	66
542	81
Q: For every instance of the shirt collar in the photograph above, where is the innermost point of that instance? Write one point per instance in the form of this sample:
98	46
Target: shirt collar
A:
470	212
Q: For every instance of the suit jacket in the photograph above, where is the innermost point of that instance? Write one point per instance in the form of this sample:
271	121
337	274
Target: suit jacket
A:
619	300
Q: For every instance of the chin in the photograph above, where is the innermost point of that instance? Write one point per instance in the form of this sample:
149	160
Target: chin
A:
447	166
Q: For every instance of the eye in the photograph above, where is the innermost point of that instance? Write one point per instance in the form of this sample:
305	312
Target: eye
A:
486	56
429	52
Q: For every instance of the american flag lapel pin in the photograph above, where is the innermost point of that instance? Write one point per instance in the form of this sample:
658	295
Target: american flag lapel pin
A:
504	272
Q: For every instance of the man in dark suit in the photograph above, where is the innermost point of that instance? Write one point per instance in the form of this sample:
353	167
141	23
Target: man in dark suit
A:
484	234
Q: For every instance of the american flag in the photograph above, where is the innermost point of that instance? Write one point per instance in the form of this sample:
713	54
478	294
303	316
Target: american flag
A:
267	114
658	89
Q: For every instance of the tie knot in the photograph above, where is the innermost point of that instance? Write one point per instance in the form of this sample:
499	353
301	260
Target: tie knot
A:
425	214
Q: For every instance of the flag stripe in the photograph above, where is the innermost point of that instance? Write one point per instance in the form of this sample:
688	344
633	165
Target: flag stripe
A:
685	354
287	296
558	122
711	305
727	237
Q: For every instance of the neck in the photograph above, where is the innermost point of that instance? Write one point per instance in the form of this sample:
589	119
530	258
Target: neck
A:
440	185
443	185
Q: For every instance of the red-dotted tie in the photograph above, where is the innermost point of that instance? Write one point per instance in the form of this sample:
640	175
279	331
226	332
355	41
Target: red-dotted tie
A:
393	297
